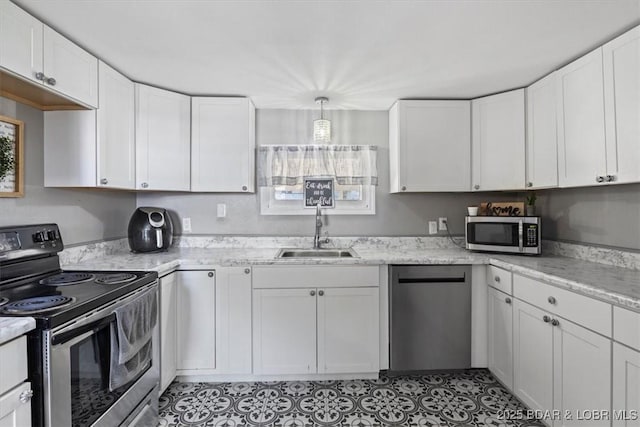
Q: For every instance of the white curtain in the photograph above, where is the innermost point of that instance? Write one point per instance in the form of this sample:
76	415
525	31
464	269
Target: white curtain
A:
290	164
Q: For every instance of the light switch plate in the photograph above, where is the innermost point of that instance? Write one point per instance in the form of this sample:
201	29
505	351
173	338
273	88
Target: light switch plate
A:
222	210
186	225
433	227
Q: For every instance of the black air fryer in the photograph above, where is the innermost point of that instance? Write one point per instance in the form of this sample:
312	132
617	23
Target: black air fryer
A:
150	230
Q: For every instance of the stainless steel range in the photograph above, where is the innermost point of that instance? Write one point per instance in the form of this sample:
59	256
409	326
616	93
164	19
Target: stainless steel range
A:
75	353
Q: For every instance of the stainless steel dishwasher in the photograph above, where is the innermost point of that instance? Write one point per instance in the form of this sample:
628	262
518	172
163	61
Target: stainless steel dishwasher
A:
430	318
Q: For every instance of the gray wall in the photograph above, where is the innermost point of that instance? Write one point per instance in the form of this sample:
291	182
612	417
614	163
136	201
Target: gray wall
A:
396	214
607	215
83	215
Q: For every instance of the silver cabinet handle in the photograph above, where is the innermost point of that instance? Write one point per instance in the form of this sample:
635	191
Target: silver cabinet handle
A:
404	188
555	322
507	300
210	274
546	319
476	187
611	178
321	293
51	81
244	188
551	300
600	179
26	396
312	293
497	279
247	270
40	76
144	185
529	184
104	181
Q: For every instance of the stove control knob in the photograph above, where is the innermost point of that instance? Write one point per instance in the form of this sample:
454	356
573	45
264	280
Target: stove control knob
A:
52	235
38	237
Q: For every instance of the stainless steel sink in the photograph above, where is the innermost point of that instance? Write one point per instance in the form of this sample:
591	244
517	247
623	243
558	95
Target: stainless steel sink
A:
317	253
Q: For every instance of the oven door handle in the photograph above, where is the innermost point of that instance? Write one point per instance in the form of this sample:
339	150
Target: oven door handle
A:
82	332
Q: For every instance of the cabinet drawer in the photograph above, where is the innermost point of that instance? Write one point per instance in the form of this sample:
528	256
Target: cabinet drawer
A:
588	312
499	278
13	369
626	327
312	276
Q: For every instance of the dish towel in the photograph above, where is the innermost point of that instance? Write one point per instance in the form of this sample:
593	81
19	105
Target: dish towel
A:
131	335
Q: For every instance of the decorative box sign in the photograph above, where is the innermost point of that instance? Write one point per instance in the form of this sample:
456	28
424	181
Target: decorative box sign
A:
501	209
318	191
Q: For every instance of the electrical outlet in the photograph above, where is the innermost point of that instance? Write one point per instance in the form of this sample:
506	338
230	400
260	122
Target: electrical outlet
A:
442	223
433	227
186	225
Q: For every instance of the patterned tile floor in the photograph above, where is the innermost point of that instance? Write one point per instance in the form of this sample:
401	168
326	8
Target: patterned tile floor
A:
469	398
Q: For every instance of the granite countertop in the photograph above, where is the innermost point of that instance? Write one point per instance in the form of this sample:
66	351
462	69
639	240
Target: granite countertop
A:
13	327
616	285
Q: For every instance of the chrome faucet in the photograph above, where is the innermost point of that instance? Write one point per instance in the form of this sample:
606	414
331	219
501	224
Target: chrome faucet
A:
316	237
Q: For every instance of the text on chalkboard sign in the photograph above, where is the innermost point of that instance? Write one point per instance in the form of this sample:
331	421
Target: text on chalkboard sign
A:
318	191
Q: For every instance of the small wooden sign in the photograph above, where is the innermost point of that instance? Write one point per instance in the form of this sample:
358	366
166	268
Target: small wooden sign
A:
318	191
501	209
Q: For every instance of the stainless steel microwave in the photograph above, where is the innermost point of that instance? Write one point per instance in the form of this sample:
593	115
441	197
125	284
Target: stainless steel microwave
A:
509	234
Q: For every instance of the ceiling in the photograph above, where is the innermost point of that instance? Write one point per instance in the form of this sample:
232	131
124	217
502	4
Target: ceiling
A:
361	54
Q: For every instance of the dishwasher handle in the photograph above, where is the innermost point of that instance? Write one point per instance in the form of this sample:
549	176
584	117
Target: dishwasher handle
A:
432	280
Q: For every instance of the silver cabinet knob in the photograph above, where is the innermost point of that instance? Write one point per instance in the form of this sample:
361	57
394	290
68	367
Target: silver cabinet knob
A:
144	185
555	322
497	279
321	293
551	300
404	188
247	270
244	188
529	184
40	76
600	179
507	300
51	81
312	293
26	396
476	187
210	274
546	319
611	178
104	181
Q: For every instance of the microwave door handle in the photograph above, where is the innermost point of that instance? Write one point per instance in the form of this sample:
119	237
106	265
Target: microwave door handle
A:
520	236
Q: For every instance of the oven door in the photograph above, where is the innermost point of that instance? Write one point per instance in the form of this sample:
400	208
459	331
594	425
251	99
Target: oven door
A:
76	389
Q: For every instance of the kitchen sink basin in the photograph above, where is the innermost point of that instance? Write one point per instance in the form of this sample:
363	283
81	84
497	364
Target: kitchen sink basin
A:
317	253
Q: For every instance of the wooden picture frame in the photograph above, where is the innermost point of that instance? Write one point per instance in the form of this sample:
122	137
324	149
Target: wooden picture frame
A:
13	184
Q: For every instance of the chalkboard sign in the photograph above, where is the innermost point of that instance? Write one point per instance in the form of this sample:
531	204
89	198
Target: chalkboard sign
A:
318	191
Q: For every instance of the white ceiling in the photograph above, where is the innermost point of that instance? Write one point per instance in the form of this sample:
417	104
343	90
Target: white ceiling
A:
361	54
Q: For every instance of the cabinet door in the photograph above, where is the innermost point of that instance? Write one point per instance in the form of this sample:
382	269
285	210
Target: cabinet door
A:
74	72
430	146
497	141
532	356
116	130
622	106
233	320
284	331
196	320
581	128
163	139
20	41
168	323
501	336
626	386
14	412
582	372
542	137
222	144
348	331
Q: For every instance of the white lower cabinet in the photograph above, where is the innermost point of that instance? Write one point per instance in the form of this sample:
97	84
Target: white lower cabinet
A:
196	320
168	324
15	393
626	386
15	409
560	366
500	335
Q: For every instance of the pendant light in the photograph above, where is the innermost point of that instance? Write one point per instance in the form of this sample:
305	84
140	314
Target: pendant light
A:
321	127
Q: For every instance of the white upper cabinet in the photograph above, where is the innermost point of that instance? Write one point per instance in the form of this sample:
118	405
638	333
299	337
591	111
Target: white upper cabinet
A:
430	146
30	49
622	106
163	139
542	138
116	131
497	141
581	126
222	145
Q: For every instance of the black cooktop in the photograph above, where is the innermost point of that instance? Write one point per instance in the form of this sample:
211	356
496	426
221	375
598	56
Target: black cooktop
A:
77	292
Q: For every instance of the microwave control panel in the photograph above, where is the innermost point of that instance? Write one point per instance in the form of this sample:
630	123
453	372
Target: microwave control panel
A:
530	235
